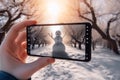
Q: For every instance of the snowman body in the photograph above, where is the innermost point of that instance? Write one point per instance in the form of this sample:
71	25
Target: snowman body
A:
59	48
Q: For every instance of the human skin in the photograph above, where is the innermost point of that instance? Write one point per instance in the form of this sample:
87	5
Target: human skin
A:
13	53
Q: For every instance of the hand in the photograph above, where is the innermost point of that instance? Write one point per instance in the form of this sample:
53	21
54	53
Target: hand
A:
13	53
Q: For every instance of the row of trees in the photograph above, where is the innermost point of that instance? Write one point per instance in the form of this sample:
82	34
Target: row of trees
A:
38	36
91	15
73	35
13	10
76	34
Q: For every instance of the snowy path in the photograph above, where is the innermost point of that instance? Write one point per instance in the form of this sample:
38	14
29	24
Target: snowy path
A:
70	51
105	65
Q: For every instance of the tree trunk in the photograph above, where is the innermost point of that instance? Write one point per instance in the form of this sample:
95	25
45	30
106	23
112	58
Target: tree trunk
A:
113	46
111	43
105	36
93	45
108	45
80	45
2	35
4	30
119	43
75	44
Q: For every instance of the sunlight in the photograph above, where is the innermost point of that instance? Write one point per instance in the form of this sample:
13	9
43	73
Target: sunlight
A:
53	8
56	11
53	29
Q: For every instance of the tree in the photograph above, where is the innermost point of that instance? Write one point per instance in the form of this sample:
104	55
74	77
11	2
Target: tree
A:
118	39
10	12
93	20
38	36
77	35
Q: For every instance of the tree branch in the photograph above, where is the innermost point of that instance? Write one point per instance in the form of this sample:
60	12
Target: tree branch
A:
17	17
8	21
113	19
85	18
92	11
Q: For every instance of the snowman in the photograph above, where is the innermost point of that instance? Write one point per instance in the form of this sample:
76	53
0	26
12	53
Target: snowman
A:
58	47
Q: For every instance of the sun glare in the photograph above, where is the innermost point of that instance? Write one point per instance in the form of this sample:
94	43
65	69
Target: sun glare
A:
53	29
53	10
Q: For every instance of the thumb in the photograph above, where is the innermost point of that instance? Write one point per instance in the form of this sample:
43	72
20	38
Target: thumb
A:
40	63
28	69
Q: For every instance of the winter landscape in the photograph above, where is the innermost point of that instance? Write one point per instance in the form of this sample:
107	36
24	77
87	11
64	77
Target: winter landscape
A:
58	41
103	15
104	65
71	52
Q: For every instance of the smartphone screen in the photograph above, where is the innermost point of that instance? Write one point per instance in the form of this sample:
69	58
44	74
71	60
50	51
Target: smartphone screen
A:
71	41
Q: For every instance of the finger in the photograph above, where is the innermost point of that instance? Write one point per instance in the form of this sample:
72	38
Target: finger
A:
22	53
23	56
24	44
21	37
27	70
13	32
41	62
38	64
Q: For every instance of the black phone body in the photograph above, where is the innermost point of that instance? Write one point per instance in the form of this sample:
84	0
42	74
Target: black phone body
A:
70	41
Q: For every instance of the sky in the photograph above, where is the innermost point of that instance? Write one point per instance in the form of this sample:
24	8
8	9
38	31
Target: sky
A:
65	10
57	11
53	11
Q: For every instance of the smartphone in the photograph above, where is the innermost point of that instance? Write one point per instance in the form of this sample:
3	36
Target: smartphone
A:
70	41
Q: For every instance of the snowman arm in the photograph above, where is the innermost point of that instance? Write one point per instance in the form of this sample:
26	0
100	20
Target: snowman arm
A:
64	35
50	35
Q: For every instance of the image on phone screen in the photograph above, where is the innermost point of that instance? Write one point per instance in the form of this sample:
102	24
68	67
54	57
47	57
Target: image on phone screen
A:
64	41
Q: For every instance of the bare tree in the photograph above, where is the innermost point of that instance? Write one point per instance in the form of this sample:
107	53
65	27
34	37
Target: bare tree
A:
77	35
93	20
9	13
38	36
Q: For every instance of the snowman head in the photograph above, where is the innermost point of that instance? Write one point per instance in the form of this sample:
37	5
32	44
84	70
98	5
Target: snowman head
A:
58	33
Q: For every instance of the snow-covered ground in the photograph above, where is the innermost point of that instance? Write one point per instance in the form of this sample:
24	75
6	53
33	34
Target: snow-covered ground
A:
72	53
105	65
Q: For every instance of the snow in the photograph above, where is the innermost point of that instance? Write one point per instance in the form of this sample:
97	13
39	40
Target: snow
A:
69	52
105	65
